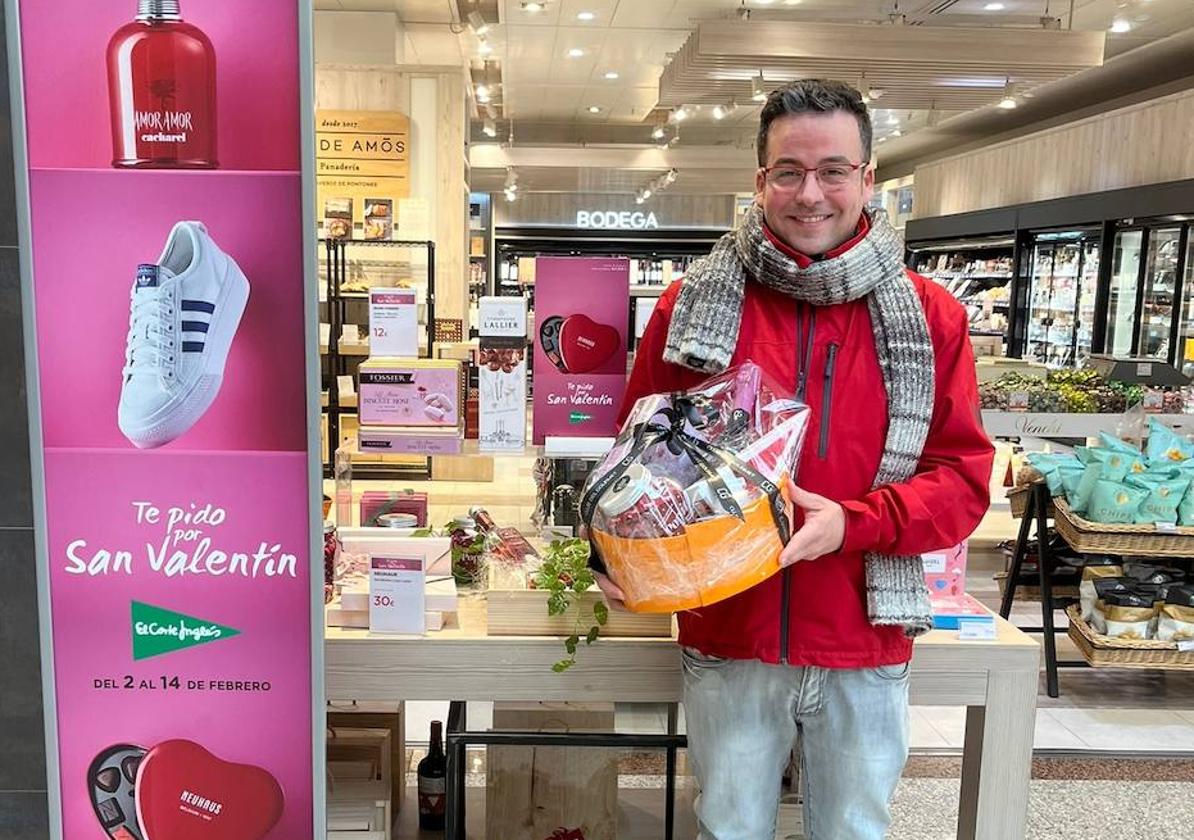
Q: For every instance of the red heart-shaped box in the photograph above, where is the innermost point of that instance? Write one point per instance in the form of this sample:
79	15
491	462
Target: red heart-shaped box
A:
186	793
586	346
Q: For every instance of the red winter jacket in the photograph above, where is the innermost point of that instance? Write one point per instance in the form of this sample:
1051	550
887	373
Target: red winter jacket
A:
824	612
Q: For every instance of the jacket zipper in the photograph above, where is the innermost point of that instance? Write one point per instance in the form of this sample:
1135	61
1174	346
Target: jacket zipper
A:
803	359
827	401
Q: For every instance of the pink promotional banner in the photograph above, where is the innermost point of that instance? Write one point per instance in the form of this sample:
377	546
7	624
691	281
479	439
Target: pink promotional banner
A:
173	348
582	307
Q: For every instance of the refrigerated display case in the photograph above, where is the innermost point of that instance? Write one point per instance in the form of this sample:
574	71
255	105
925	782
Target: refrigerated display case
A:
1062	274
1149	311
978	272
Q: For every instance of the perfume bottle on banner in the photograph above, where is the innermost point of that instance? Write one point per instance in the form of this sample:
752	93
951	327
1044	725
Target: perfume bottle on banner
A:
162	91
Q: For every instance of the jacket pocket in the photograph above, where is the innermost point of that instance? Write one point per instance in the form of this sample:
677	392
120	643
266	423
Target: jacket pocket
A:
827	401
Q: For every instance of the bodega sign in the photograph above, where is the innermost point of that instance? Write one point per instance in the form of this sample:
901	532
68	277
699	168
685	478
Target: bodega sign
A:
615	220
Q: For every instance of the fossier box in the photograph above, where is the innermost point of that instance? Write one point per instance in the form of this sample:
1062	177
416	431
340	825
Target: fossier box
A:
409	440
410	392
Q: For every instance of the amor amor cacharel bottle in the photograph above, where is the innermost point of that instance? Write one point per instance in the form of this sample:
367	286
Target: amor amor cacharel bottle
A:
162	91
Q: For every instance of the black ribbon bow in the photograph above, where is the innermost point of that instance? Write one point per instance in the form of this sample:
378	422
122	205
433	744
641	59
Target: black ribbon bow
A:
699	412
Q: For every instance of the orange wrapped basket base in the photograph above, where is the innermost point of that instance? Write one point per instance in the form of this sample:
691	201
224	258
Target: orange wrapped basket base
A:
696	572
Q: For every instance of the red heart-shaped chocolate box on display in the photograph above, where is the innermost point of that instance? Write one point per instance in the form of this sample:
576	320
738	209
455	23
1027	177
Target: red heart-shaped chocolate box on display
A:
587	346
186	793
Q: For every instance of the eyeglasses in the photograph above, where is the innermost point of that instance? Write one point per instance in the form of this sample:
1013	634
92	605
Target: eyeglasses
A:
830	175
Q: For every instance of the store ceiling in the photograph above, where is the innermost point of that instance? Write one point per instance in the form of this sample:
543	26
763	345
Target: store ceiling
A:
555	69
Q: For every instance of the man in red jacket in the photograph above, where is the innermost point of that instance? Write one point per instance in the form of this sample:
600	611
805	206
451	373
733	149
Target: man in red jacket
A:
813	289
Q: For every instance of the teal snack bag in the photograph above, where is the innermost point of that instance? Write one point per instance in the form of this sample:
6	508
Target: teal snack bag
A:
1185	508
1114	504
1164	497
1079	489
1166	446
1110	441
1117	465
1047	464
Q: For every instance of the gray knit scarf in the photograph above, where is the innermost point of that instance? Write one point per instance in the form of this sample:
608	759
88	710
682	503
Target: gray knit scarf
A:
704	333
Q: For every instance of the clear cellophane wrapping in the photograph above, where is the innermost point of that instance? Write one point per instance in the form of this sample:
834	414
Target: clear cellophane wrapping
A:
689	506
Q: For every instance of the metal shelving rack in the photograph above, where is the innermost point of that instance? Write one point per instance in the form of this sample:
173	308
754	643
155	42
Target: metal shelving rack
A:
335	276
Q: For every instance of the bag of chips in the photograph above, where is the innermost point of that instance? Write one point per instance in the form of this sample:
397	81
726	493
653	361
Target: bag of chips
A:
1164	497
1113	503
1165	446
689	507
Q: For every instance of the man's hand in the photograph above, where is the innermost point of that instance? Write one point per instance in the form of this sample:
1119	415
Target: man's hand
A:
823	530
614	596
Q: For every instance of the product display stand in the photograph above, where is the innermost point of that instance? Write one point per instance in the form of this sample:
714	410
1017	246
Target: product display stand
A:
1039	509
459	739
336	275
995	680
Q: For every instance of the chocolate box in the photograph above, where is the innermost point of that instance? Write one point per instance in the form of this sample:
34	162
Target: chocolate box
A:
410	392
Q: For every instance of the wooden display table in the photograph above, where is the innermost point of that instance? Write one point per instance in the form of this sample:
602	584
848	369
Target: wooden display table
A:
996	682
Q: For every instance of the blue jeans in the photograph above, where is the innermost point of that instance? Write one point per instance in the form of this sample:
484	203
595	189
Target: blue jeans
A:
743	717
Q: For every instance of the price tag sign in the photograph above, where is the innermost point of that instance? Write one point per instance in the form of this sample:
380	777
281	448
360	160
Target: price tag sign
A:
397	595
1017	401
976	628
393	323
1186	645
1166	528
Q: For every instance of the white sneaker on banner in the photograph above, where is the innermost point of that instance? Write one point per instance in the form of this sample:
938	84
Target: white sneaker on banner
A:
184	315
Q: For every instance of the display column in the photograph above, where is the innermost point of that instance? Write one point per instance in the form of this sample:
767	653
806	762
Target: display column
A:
22	742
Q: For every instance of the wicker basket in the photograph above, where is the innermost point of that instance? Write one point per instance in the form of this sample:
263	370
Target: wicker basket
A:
1099	650
1143	540
1032	592
1020	497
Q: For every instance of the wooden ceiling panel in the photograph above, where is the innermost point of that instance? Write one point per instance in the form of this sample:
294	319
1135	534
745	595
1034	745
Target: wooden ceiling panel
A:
918	67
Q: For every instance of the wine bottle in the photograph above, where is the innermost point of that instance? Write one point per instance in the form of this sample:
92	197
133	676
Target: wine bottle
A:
433	772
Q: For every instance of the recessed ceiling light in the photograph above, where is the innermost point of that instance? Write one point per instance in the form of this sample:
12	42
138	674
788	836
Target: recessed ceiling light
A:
611	74
791	2
658	133
484	48
531	6
575	52
764	2
994	7
594	109
1120	26
586	15
680	114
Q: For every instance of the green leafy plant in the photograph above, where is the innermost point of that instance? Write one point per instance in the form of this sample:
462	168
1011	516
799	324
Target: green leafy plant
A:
565	575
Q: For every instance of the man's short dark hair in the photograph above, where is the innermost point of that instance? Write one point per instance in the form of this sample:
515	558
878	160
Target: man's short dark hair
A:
814	96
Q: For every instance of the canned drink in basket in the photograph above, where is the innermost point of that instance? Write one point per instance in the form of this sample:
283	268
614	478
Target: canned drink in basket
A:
703	497
640	504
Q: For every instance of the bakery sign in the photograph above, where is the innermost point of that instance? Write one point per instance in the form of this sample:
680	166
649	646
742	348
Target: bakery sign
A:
616	220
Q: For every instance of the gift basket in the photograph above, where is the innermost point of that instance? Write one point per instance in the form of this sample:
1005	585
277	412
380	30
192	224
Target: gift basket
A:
690	505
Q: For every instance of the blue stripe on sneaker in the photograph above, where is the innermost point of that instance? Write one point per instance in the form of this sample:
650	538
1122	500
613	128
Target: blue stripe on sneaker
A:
192	347
195	326
198	306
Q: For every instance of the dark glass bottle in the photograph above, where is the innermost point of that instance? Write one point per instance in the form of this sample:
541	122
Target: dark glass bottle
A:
433	772
162	91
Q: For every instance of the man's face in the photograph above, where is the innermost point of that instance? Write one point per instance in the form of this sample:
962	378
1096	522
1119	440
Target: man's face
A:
810	216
